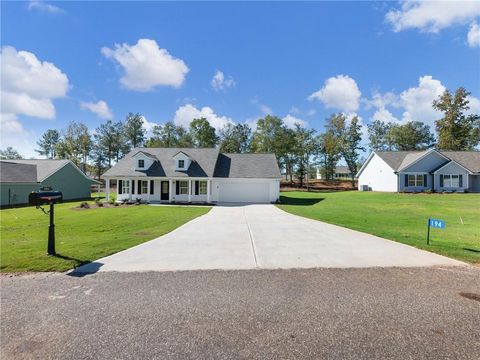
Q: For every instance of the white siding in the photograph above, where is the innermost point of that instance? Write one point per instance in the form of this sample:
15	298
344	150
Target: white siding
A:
378	176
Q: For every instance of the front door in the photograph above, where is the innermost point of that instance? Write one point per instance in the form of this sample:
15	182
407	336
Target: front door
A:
164	190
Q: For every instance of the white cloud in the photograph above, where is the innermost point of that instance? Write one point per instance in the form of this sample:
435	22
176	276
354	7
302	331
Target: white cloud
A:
384	115
146	65
13	134
100	108
10	124
432	16
265	109
186	113
148	126
340	92
43	6
473	36
417	101
29	85
311	112
291	120
221	83
474	104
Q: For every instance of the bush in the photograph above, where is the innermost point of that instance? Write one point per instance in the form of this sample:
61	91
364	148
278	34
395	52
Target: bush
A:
113	199
84	205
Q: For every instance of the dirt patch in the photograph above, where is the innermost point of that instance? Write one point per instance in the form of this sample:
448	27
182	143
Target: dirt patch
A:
318	185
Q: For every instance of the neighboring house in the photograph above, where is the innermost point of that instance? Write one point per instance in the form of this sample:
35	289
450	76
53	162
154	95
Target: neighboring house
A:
341	172
18	178
416	171
194	175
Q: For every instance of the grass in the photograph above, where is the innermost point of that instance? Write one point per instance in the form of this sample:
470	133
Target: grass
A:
399	217
82	235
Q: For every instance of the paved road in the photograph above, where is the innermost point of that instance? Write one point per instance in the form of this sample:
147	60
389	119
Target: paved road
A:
263	236
376	313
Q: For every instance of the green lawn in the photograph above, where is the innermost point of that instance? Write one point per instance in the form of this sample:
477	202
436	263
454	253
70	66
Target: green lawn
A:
82	235
399	217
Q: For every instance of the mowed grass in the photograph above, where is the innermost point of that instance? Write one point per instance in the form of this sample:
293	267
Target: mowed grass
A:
399	217
82	235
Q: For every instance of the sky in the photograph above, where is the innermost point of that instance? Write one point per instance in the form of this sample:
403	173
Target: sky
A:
231	62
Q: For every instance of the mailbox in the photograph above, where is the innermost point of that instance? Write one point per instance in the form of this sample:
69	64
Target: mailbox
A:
39	198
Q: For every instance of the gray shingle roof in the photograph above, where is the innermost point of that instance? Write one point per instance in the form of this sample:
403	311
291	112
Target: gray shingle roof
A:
12	172
247	166
45	167
399	159
205	163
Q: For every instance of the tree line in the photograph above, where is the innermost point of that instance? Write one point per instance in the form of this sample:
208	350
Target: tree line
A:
299	150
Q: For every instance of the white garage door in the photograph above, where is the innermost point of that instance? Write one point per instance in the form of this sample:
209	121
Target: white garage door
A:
256	192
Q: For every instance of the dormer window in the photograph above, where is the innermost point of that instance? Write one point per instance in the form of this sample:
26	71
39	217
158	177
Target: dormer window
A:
141	164
181	164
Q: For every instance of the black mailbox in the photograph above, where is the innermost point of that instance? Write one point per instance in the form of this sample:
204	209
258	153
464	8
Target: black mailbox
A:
38	198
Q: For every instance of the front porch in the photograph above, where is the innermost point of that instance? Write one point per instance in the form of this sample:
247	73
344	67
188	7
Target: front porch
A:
161	190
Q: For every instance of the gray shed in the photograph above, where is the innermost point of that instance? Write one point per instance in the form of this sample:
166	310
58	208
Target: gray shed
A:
18	178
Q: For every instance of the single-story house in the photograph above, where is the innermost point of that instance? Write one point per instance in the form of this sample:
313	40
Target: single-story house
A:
18	178
194	175
341	172
416	171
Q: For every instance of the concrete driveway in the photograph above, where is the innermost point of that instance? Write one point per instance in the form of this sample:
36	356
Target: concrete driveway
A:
263	236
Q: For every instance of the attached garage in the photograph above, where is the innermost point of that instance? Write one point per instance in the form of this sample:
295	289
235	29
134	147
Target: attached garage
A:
235	191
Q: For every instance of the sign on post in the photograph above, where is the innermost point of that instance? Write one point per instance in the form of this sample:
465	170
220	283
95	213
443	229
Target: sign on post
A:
435	223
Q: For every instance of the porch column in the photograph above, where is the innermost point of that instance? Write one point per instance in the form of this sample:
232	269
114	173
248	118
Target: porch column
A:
208	190
170	190
148	190
189	190
107	189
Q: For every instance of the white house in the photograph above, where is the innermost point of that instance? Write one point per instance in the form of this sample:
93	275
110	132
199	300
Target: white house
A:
194	175
416	171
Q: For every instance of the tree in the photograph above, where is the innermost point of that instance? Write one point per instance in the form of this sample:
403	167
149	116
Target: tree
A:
304	147
456	131
352	138
377	136
109	139
10	154
133	130
99	160
235	138
76	144
48	143
328	152
169	135
202	133
414	135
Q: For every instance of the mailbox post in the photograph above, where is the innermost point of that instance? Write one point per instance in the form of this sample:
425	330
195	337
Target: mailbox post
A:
47	197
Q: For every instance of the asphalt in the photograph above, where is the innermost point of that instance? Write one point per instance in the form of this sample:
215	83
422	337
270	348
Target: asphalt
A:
263	237
367	313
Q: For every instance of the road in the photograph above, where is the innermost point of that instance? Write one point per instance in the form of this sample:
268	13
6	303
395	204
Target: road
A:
364	313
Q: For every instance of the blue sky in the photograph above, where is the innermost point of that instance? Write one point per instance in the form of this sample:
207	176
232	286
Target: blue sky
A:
230	62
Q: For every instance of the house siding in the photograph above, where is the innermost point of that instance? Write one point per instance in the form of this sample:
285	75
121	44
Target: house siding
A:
452	169
70	182
16	194
403	186
378	176
474	183
431	161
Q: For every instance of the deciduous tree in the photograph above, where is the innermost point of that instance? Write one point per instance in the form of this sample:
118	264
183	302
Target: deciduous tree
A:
47	143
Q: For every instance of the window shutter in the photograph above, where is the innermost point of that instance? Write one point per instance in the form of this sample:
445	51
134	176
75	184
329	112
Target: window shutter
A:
441	180
197	184
460	180
177	187
120	187
151	187
133	187
406	180
425	180
139	186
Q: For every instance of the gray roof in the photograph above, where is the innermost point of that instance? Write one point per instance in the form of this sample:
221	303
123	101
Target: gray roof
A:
45	167
11	172
399	159
247	166
205	163
342	170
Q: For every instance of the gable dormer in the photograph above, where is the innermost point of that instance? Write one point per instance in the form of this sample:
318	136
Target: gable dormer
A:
182	161
143	161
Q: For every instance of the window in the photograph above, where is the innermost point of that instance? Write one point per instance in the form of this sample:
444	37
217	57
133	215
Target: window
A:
144	187
415	180
202	188
181	164
183	186
126	187
141	164
451	181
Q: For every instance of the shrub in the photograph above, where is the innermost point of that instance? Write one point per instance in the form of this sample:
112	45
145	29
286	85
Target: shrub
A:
84	205
113	199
